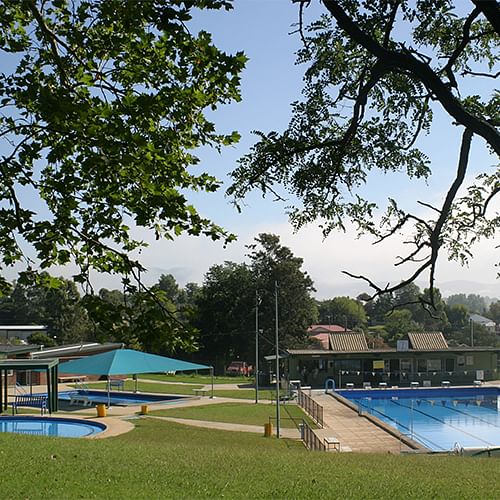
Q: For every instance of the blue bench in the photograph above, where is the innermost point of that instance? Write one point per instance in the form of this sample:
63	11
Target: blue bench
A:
31	400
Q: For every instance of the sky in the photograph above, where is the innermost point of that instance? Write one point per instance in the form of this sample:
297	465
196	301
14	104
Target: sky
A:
271	81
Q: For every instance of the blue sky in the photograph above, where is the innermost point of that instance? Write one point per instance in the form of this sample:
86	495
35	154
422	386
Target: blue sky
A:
270	83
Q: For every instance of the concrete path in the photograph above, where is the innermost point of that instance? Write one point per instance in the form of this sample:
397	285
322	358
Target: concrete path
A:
225	426
354	432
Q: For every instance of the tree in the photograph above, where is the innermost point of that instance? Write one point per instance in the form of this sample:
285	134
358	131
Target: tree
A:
398	324
473	302
343	311
103	104
272	263
225	314
369	96
494	312
58	307
40	338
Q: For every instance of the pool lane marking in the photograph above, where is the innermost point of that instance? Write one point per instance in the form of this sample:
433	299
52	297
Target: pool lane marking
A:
445	423
470	415
419	437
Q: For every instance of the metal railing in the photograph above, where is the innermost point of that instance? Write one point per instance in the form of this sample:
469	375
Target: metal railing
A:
311	441
313	409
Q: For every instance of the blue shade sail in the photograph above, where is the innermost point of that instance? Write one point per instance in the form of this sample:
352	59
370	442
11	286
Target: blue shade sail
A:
126	362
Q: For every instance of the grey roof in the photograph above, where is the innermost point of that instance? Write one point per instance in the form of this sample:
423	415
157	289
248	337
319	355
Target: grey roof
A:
22	328
477	318
75	349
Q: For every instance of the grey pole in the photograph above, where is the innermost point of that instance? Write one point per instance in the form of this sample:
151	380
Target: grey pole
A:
277	364
256	346
471	333
212	377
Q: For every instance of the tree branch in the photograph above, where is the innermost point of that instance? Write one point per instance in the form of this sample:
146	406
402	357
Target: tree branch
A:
421	71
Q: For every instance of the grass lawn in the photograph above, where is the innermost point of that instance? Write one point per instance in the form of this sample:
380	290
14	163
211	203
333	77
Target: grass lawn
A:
187	389
165	460
196	379
239	413
152	387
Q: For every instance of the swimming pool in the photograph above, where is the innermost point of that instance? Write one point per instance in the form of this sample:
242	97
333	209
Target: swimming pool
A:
50	426
439	419
120	398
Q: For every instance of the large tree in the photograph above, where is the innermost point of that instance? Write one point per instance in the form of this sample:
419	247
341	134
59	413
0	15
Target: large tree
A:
274	264
343	311
102	108
378	70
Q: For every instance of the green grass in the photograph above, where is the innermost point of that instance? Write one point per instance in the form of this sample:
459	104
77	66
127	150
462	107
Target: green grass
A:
152	387
239	413
188	390
196	379
164	460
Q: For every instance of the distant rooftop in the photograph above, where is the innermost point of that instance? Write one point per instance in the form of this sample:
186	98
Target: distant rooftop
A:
314	329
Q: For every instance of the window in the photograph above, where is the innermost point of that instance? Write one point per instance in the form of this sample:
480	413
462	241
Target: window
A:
405	365
421	365
461	361
433	365
469	360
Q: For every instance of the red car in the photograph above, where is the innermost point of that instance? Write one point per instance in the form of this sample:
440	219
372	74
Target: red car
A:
239	368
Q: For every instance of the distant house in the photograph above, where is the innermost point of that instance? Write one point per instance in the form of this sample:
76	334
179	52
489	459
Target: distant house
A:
481	320
21	332
321	333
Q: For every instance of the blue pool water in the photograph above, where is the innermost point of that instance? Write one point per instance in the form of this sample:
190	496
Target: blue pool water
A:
49	426
440	419
120	398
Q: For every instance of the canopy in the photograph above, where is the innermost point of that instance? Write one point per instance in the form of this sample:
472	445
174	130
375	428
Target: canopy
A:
126	362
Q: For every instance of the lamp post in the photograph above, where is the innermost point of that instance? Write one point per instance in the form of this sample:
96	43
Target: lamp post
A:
277	363
471	333
257	302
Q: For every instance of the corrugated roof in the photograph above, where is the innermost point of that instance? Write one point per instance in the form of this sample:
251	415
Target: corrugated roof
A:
348	342
425	341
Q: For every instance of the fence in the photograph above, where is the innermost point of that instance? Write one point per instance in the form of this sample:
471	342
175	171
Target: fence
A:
310	439
313	409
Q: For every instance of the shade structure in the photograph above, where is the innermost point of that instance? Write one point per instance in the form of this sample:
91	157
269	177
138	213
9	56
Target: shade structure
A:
126	362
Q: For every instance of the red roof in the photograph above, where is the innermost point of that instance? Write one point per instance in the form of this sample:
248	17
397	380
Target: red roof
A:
315	329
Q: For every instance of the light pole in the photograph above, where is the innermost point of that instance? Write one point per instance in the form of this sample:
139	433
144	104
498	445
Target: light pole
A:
471	333
277	363
257	302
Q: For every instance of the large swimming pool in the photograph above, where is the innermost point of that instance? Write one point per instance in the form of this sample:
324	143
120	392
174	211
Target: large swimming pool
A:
439	419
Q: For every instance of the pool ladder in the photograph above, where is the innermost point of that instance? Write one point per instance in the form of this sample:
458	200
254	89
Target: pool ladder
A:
81	386
458	449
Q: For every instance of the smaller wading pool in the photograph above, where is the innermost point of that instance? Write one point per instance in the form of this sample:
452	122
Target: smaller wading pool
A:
50	426
120	398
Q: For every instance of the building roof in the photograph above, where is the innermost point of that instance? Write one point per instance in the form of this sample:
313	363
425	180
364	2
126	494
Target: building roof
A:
75	350
315	329
348	342
23	328
18	349
323	339
425	341
477	318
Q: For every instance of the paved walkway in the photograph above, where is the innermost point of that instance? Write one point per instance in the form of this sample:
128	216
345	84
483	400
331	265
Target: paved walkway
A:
355	433
257	429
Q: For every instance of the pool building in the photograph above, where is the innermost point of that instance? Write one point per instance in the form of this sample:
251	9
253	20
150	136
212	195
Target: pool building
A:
423	359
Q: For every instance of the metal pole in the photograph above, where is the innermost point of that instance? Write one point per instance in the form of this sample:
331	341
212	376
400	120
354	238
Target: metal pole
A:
471	333
277	364
212	378
256	346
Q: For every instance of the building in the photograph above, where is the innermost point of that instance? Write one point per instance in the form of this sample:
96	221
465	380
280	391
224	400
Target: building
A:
489	324
424	357
20	332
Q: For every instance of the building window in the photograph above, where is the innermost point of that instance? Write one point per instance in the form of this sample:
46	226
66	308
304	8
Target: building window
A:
421	365
469	360
433	365
405	365
461	361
